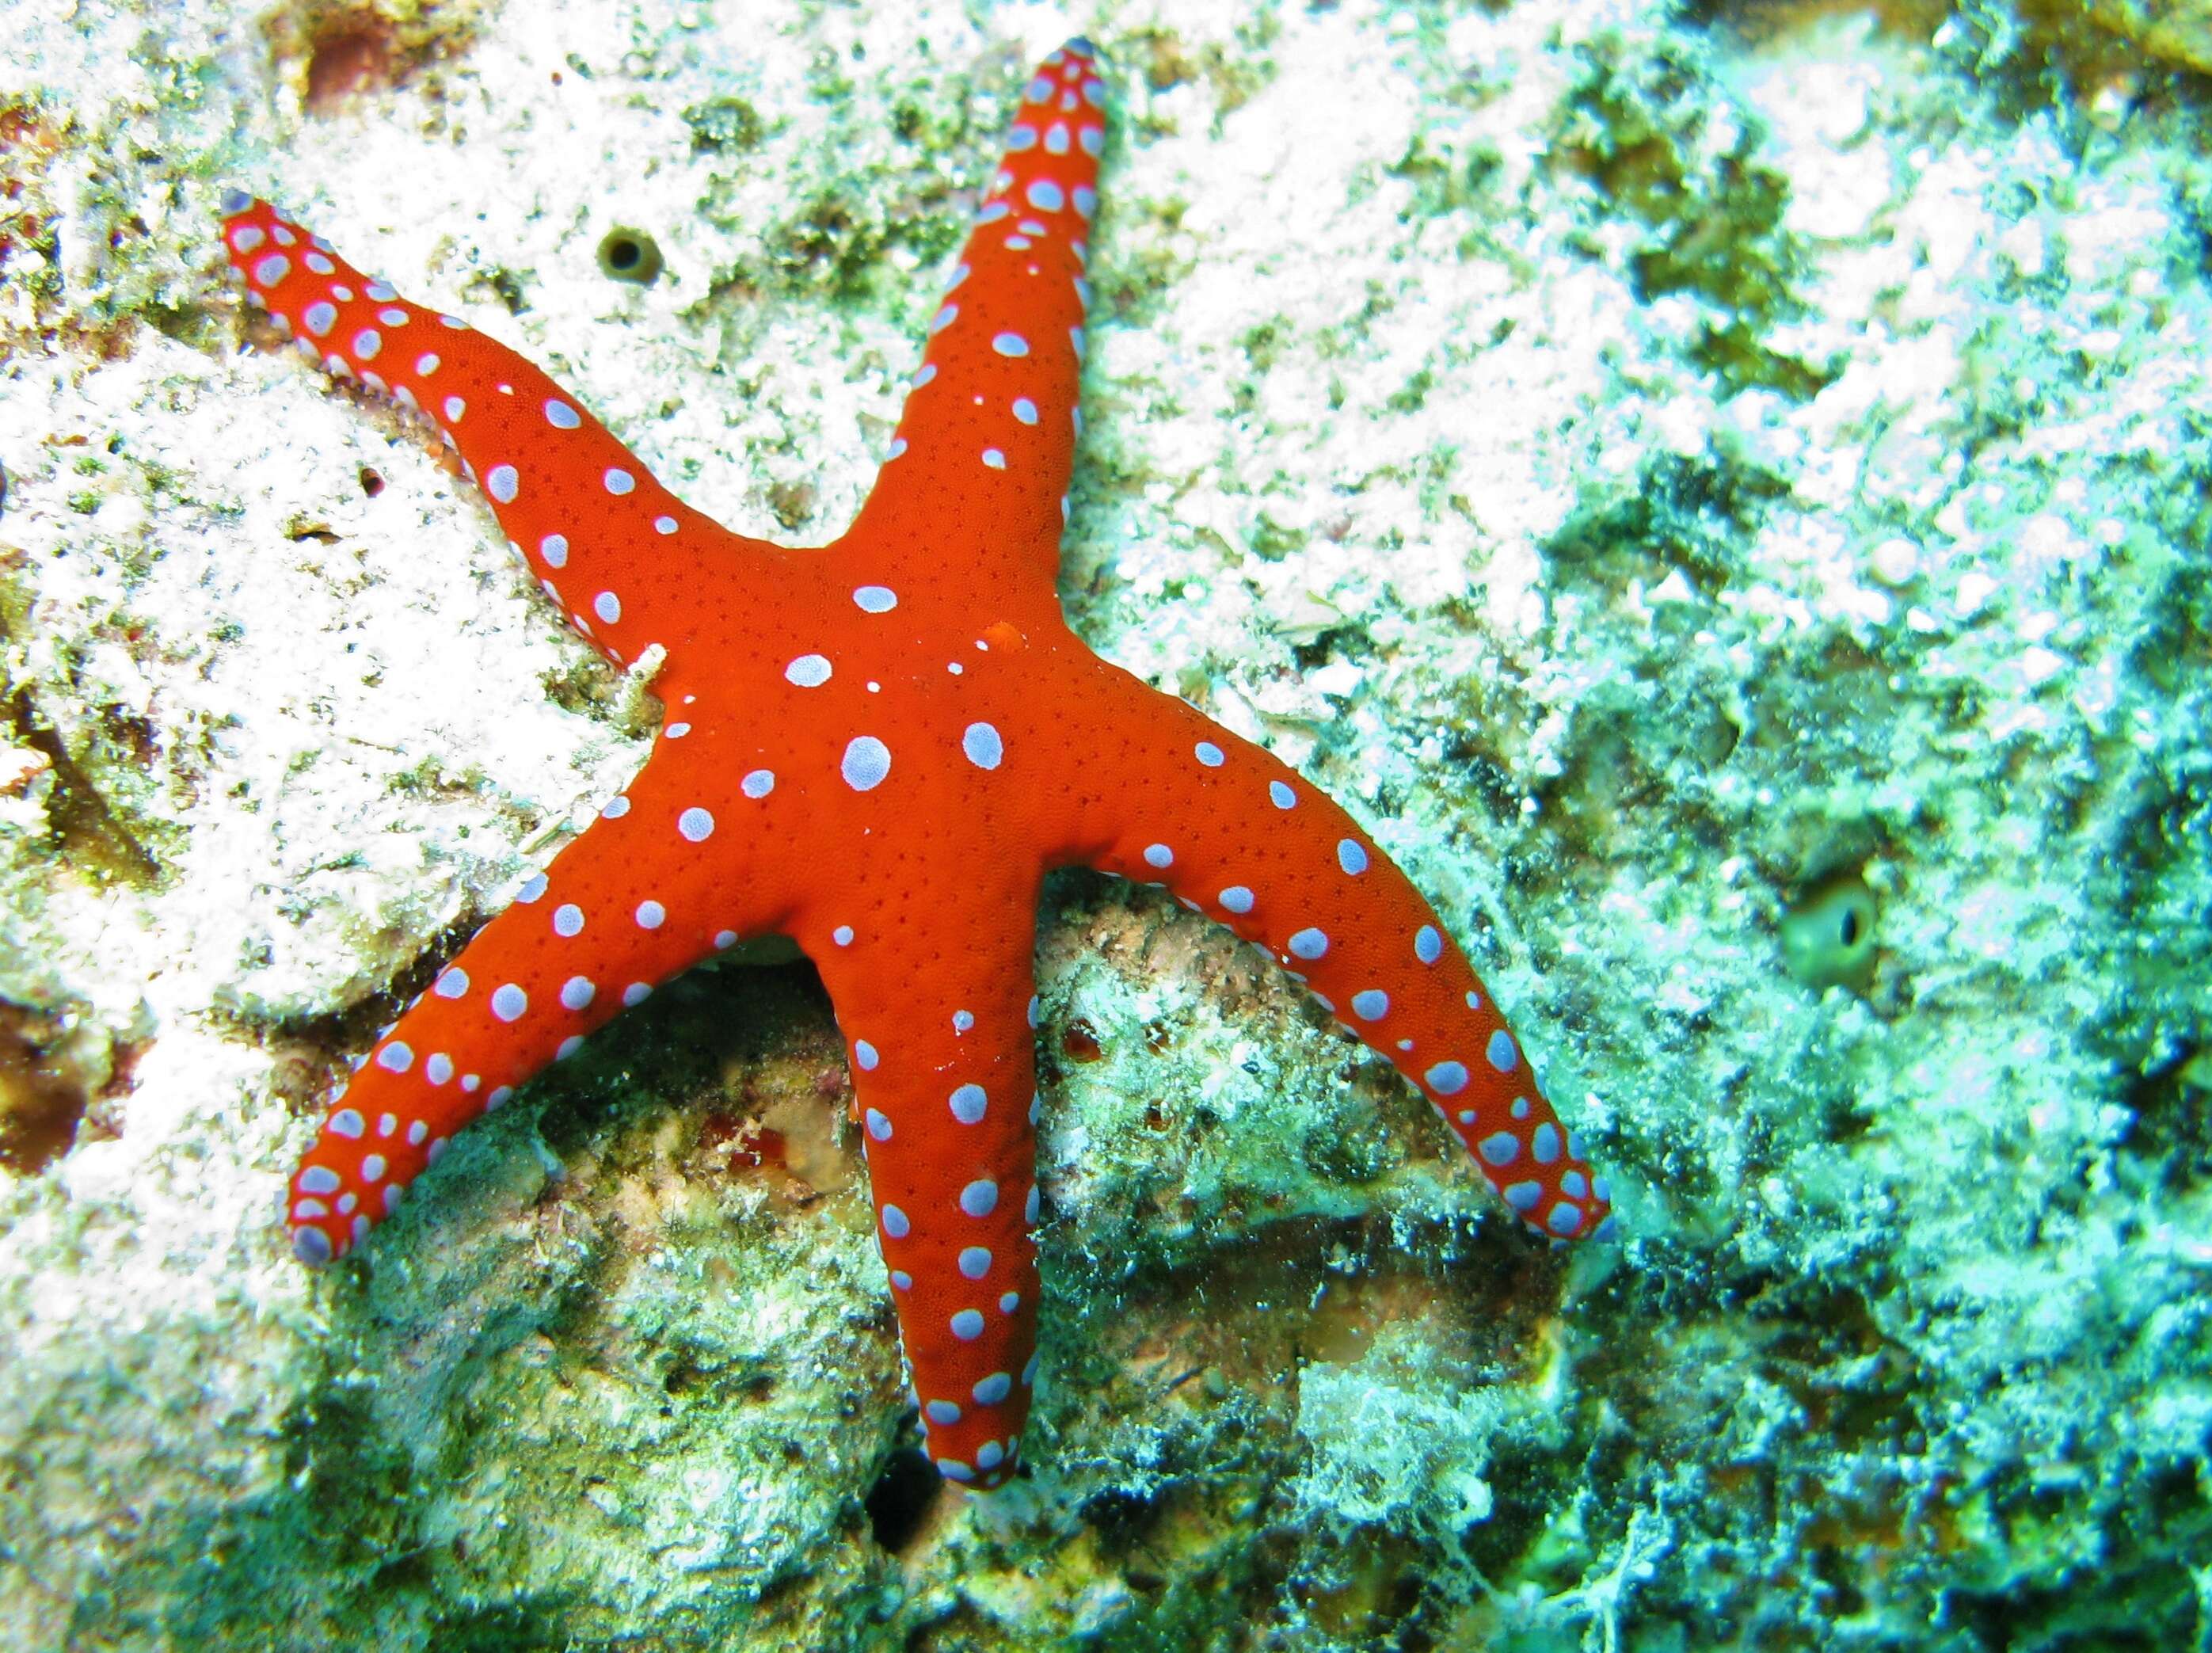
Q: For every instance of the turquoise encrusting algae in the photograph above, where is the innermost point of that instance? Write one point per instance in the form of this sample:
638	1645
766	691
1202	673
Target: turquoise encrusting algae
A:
1659	459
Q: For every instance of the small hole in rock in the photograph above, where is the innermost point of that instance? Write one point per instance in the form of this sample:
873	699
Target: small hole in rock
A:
629	255
1828	934
353	58
901	1497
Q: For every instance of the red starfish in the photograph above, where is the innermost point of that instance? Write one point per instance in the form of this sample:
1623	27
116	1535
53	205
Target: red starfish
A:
878	748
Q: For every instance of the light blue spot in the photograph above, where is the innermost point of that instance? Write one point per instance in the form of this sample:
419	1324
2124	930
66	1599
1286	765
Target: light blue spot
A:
967	1104
1447	1078
1280	795
560	415
1209	754
875	599
982	743
1308	944
1501	1052
1428	945
1370	1004
1501	1149
866	762
993	1389
974	1262
1237	898
896	1224
1545	1143
1352	856
807	671
968	1325
980	1198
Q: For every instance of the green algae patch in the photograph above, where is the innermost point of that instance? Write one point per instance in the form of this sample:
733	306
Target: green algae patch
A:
94	798
1651	134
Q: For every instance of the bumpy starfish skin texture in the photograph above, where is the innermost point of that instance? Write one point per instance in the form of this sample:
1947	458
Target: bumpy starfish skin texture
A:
878	748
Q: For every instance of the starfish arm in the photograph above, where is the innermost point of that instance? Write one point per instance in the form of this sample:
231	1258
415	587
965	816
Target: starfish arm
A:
1241	836
607	542
986	443
653	887
936	1006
